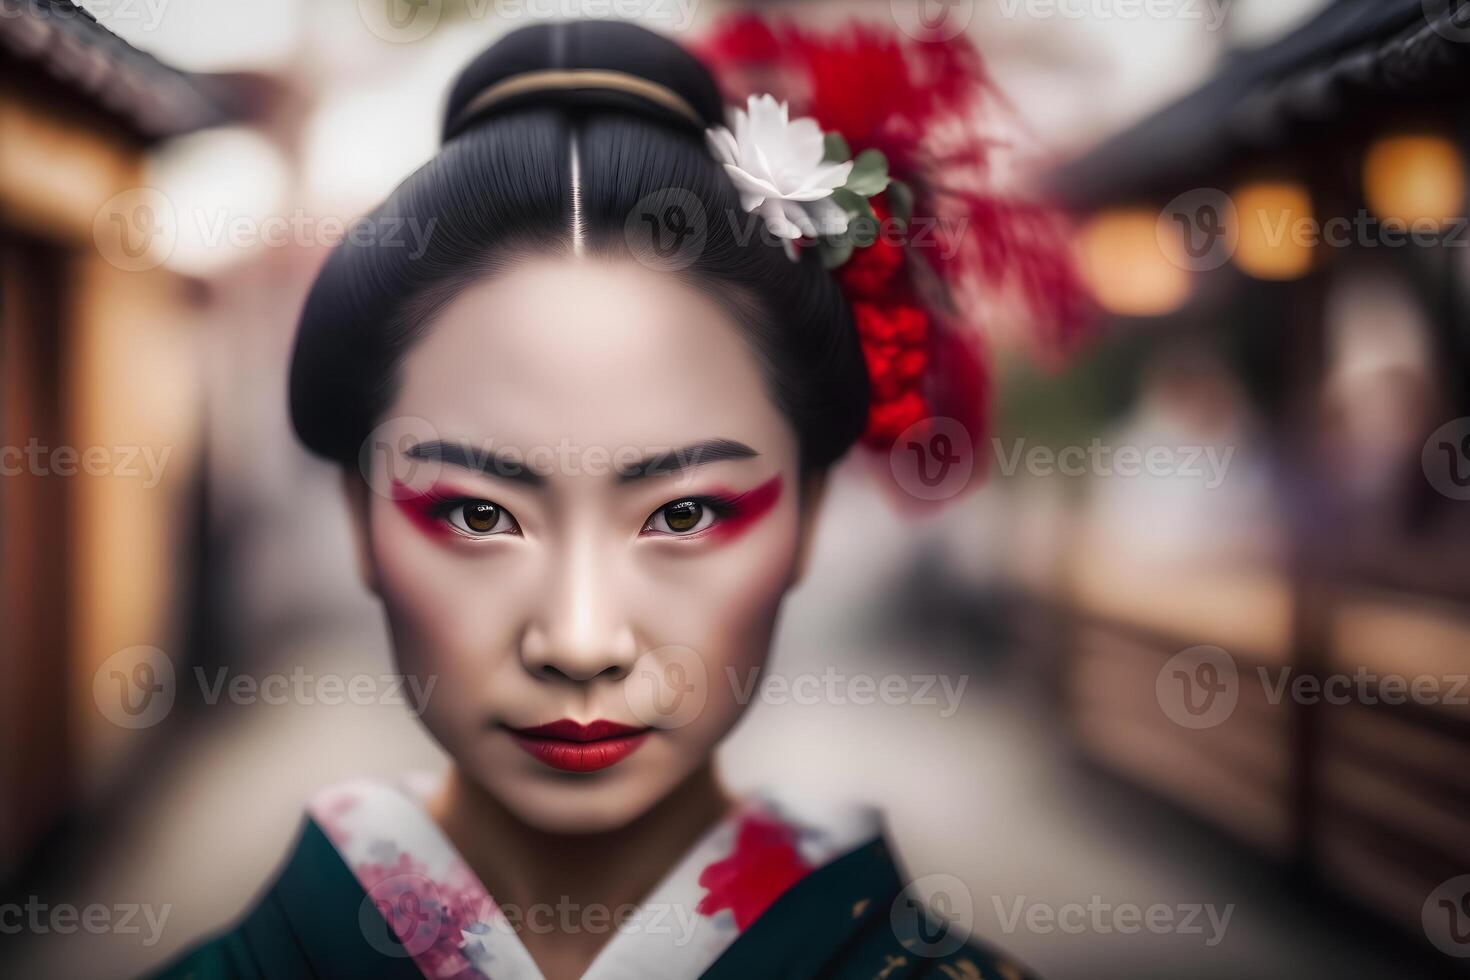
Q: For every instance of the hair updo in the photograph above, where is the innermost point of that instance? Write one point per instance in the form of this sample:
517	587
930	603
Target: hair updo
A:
501	187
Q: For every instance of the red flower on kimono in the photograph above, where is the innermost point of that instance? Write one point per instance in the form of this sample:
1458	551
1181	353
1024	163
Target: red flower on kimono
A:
764	863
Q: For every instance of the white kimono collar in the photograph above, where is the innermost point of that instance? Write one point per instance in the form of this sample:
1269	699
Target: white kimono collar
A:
438	911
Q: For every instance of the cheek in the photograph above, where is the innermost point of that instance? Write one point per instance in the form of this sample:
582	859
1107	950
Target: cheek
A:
447	611
723	603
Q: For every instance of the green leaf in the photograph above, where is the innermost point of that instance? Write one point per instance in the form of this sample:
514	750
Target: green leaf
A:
834	148
854	205
863	231
901	201
869	173
834	252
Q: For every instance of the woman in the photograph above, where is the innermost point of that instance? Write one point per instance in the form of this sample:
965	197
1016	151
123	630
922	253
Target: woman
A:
585	437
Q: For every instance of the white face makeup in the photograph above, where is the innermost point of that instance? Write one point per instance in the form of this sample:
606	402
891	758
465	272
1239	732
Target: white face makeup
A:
572	587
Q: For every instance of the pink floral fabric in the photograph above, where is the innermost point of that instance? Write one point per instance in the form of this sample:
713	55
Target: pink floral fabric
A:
423	900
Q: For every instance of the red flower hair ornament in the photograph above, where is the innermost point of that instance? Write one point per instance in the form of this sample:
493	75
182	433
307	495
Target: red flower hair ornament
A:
890	172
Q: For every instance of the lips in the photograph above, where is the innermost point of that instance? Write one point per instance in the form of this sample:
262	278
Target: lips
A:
574	747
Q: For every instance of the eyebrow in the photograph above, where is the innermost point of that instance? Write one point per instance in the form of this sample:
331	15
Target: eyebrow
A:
685	458
507	466
510	466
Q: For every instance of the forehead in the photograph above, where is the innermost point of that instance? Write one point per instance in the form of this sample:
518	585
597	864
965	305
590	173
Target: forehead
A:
603	353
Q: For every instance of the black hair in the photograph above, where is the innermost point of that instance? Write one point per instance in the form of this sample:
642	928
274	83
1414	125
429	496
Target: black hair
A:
501	187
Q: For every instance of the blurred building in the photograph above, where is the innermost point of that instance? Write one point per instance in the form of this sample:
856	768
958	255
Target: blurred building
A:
100	402
1285	258
1294	388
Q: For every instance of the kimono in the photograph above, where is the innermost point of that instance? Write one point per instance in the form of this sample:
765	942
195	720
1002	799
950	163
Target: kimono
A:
373	888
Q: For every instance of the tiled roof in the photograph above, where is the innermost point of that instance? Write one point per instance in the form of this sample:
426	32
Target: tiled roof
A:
63	46
1354	55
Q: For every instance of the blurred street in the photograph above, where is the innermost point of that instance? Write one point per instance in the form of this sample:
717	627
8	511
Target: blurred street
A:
992	795
1158	650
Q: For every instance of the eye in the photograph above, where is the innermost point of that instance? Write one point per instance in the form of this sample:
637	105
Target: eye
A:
682	517
479	518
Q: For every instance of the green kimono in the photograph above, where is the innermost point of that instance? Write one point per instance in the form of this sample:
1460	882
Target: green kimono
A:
373	889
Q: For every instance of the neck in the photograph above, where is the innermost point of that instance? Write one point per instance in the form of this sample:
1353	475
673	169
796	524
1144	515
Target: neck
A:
522	866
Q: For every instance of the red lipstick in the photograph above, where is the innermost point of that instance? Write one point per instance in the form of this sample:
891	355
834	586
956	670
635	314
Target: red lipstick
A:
574	747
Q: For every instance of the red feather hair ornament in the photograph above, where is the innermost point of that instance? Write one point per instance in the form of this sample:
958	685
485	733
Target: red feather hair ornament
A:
920	302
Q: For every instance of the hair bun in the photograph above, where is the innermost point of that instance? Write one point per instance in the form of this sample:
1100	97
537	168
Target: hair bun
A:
662	80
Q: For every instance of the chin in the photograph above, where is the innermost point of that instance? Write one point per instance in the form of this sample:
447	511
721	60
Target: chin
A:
557	802
577	804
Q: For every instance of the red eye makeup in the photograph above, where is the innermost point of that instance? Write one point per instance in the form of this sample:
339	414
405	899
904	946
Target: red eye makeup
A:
448	514
444	513
723	515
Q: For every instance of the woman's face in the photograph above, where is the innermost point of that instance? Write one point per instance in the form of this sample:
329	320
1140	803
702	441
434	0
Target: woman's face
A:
585	516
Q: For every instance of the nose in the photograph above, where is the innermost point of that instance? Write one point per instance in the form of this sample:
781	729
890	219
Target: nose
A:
580	633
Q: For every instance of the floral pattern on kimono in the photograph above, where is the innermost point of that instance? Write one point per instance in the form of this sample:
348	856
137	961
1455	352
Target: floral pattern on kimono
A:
423	900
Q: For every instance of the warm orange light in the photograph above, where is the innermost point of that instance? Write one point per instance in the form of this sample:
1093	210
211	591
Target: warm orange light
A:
1415	179
1120	255
1277	230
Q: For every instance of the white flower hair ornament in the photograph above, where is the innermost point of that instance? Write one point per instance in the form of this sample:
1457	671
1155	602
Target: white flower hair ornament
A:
802	182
